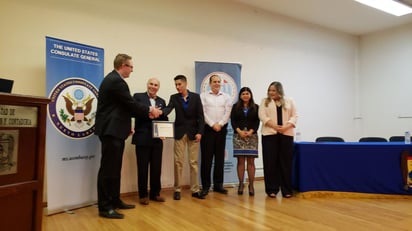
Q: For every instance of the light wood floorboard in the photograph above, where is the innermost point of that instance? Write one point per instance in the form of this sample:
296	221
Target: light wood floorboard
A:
245	213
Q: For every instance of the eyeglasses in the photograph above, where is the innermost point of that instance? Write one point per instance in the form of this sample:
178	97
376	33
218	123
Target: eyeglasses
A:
128	65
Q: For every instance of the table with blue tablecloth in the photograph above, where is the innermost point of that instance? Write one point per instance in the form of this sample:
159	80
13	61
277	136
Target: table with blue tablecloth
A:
350	167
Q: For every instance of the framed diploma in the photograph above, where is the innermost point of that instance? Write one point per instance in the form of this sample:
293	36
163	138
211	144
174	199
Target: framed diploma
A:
163	129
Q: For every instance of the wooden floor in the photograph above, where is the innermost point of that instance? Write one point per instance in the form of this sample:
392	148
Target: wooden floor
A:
244	213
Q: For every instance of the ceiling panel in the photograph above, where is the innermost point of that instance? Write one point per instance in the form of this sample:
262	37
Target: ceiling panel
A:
342	15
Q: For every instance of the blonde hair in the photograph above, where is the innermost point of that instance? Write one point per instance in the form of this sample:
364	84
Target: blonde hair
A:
279	88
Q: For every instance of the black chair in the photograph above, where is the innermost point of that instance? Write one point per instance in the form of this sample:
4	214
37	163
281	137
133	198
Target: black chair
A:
397	139
373	139
329	139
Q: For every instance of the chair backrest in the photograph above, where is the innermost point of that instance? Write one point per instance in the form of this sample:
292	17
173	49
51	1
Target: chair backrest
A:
373	139
329	139
397	139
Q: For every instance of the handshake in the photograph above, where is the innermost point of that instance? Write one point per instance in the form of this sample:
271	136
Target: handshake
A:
154	112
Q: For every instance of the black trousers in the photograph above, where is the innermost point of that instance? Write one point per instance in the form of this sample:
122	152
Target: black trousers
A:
212	145
277	152
149	157
108	179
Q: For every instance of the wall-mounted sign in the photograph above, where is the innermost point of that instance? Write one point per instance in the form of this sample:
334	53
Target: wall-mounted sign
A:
18	116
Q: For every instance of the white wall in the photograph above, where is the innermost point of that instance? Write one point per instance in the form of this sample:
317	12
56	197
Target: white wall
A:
386	82
318	67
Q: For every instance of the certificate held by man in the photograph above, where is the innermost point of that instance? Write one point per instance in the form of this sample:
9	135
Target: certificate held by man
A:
163	129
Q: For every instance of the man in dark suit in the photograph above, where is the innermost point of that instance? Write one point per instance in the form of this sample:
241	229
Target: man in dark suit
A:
148	149
189	125
115	108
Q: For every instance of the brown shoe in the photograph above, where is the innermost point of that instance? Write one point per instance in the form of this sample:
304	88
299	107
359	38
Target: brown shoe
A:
158	199
144	201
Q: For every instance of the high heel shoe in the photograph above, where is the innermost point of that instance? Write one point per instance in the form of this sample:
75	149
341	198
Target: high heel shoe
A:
240	189
251	190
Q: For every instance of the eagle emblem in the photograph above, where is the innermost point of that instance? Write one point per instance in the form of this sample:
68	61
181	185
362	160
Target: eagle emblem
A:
72	107
78	110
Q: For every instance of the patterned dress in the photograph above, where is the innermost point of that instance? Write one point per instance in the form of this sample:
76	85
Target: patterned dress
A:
245	119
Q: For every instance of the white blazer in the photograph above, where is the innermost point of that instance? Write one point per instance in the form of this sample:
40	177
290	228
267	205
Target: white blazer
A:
269	113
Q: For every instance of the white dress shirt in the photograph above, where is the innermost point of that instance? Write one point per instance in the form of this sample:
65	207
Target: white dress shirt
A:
216	107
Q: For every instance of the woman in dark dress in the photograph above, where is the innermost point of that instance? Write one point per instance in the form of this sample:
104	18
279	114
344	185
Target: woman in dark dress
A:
245	123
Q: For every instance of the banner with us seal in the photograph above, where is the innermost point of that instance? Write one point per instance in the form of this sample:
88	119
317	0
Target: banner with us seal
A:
73	72
229	73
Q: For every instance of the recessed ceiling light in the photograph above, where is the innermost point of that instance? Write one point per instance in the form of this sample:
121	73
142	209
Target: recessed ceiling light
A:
389	6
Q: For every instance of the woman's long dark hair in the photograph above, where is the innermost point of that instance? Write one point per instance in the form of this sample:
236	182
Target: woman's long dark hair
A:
251	105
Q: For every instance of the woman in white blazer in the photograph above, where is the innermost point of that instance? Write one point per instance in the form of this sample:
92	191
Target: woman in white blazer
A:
278	116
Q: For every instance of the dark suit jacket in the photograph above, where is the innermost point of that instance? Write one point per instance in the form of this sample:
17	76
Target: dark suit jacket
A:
190	122
115	107
143	124
238	119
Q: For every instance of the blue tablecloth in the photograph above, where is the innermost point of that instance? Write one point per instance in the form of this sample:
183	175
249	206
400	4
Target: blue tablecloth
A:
349	167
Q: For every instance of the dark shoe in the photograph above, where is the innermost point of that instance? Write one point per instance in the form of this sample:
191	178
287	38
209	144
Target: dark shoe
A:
240	189
198	195
122	205
144	201
252	190
111	213
176	196
287	195
205	192
220	190
272	195
158	199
